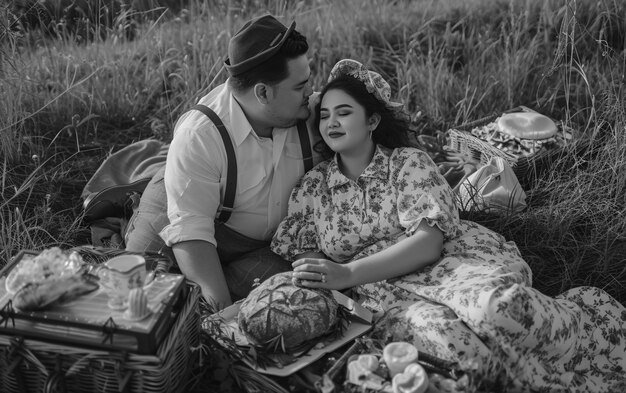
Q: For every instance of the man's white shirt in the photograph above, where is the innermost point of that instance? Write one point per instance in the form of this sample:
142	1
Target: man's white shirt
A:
195	174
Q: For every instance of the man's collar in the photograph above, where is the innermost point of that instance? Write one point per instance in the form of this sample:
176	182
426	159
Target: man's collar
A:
240	126
378	168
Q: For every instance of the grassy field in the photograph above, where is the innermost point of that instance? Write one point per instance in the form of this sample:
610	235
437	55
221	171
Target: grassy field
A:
75	90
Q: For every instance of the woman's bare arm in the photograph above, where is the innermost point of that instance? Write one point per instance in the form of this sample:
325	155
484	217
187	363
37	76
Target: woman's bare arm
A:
408	255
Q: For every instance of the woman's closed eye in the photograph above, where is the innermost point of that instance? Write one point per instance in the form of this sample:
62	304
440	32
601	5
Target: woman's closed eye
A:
326	115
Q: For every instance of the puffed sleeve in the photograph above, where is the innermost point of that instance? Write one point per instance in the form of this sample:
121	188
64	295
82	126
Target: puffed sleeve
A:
297	232
424	194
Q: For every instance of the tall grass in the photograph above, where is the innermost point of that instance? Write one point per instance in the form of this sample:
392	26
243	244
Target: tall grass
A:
68	102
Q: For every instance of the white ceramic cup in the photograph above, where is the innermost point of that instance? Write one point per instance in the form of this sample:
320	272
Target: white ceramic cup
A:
119	275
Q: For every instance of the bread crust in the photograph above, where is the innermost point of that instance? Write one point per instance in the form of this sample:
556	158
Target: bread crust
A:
278	307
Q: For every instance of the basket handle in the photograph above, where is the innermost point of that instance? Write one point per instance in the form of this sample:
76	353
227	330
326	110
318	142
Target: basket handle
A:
490	118
471	124
159	261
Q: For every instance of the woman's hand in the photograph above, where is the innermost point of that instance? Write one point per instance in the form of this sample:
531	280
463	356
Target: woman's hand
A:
321	273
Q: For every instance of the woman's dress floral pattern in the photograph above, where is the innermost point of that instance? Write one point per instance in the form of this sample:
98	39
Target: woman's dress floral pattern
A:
476	304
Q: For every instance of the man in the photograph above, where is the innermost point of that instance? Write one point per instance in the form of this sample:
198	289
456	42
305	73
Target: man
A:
266	94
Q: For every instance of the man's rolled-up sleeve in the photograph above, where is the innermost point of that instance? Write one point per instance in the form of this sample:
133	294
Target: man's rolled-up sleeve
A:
192	183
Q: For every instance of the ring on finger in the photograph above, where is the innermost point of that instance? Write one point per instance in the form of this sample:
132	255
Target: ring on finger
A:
323	277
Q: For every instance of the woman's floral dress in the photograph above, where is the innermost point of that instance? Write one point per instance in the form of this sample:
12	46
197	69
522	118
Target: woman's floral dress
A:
476	305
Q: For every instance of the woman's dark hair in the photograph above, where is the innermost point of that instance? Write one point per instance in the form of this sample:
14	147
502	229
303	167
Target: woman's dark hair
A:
275	68
393	128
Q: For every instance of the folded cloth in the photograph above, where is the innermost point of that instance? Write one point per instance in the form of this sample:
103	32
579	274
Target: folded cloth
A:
106	232
137	161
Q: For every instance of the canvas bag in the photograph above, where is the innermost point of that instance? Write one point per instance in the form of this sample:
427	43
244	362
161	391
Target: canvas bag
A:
493	187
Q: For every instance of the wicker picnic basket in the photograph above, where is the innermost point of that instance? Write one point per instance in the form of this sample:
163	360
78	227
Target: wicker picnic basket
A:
37	366
526	167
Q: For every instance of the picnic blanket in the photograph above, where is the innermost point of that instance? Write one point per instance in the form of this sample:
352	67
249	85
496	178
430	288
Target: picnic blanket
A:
137	161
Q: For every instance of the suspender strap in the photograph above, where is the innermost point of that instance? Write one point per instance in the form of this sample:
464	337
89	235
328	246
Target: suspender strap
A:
231	172
305	144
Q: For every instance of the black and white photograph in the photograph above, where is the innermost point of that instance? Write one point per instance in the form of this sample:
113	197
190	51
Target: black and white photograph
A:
314	196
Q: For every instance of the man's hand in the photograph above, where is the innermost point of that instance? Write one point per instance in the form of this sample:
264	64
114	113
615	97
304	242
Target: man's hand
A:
199	262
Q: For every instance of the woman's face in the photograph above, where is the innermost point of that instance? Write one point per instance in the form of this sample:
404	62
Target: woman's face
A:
344	125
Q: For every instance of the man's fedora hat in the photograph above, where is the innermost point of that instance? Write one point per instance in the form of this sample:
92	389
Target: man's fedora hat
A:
257	41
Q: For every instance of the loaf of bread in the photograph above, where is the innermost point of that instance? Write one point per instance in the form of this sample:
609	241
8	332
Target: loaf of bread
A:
279	309
52	263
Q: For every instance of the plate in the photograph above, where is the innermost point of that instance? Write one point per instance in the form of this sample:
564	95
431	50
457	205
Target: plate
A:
49	264
360	323
133	318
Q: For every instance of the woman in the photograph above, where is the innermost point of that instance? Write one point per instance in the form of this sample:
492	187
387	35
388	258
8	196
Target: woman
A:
379	218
